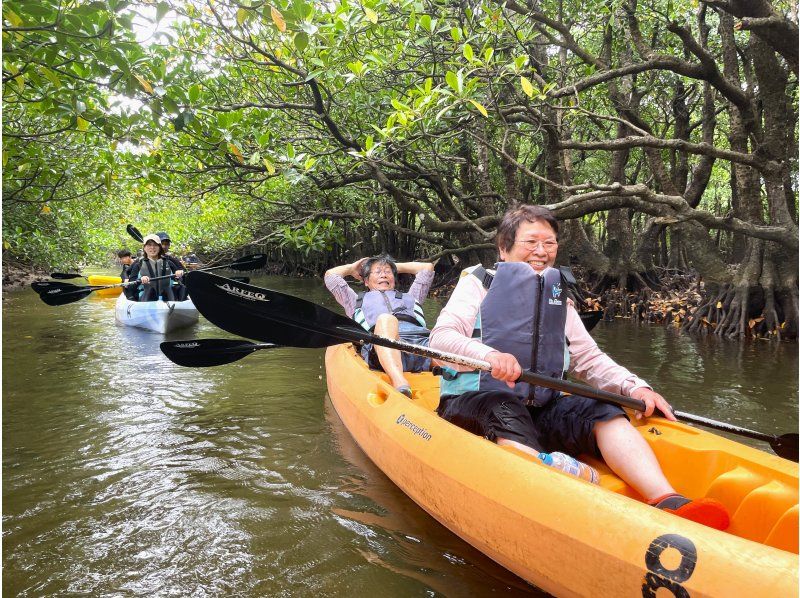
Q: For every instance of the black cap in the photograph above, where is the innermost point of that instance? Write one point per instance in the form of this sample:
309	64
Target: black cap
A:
164	236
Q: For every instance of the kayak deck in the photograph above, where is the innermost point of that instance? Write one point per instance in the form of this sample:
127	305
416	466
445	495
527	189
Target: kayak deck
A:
763	503
98	280
157	316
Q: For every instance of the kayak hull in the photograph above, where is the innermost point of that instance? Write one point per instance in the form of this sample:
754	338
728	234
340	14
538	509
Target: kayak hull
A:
156	316
96	280
562	534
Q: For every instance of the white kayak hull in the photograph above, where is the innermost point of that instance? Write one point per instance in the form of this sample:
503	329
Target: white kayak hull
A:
156	316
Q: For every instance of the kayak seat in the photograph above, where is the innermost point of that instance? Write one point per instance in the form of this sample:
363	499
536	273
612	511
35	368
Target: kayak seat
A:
762	509
783	535
756	504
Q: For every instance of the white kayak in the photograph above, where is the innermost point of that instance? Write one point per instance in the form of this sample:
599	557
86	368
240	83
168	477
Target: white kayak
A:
157	316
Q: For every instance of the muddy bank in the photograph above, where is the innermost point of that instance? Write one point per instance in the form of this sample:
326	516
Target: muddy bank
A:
17	276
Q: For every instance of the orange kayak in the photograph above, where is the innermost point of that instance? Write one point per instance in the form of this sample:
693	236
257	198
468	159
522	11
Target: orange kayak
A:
565	535
96	280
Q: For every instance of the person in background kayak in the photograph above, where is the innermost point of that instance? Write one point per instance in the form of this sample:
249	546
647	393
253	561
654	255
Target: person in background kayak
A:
126	260
495	317
154	265
178	288
385	311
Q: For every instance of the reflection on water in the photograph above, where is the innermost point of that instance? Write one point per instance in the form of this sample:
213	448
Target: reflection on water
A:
126	474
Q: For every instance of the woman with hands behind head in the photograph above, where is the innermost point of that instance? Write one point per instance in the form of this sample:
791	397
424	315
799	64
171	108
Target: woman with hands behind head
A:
386	311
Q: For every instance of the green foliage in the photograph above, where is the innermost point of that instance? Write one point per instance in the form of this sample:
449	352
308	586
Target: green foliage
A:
241	121
313	237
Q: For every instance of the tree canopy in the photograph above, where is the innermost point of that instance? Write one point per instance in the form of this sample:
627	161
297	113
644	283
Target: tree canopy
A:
663	132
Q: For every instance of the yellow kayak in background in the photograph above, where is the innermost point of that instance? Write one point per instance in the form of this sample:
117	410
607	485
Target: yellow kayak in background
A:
565	535
96	280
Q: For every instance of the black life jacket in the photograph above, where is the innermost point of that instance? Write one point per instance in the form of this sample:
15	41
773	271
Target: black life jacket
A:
524	314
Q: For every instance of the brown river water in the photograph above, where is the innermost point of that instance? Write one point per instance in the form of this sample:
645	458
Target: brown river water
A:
125	475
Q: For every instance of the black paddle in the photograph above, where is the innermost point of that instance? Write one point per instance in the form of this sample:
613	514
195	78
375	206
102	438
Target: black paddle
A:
62	293
65	276
206	352
134	232
271	316
590	318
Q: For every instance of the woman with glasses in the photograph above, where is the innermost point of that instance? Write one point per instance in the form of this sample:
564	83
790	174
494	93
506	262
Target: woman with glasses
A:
387	312
517	317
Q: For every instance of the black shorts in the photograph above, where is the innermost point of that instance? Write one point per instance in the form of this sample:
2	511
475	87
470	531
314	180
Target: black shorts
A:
565	424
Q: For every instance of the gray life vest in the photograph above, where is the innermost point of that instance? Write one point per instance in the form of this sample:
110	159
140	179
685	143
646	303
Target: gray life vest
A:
156	289
403	306
524	314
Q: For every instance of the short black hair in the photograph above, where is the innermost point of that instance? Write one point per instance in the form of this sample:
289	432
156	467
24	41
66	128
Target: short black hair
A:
123	253
507	229
383	258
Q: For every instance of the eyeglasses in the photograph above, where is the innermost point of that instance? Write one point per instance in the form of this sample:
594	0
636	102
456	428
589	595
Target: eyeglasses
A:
379	271
531	244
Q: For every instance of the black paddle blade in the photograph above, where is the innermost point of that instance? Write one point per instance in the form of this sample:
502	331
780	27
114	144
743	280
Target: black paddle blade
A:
269	316
207	352
134	232
62	296
64	275
249	262
43	286
590	318
786	446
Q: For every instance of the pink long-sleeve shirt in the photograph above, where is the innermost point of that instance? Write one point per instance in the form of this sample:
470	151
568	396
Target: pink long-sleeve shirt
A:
347	297
453	333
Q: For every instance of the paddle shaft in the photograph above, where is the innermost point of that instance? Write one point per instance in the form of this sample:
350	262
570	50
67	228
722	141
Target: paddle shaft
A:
526	376
562	385
124	284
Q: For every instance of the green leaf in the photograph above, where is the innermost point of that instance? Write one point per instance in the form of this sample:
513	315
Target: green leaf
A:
468	53
11	16
290	151
82	124
241	16
310	163
371	15
487	54
301	40
162	8
269	166
51	76
369	142
452	80
170	104
455	33
425	22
